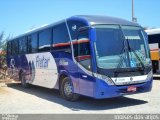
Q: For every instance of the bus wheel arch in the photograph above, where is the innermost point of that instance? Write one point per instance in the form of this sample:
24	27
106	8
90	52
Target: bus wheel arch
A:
66	88
61	77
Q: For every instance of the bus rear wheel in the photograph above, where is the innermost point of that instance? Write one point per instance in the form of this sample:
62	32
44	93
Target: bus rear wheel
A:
23	81
66	90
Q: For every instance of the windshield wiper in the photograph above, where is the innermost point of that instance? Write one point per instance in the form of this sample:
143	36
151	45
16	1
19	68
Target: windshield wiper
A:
118	69
125	49
132	50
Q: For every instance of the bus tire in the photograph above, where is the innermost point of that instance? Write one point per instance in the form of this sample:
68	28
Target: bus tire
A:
23	81
66	90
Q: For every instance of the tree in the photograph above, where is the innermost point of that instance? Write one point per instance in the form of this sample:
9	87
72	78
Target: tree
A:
1	39
3	49
3	44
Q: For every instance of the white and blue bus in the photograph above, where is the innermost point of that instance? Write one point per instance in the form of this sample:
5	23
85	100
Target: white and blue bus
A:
94	56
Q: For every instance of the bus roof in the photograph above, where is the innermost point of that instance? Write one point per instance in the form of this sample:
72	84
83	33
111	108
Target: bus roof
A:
153	31
98	19
38	29
90	19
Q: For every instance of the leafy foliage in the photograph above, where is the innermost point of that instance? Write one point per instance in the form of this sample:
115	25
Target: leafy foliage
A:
3	44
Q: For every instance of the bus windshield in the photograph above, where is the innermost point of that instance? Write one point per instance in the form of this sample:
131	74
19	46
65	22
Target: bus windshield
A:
121	47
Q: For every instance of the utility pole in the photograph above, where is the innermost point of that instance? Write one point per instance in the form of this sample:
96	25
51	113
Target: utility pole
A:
132	10
134	19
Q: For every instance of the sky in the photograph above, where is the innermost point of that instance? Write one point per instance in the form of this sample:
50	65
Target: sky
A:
19	16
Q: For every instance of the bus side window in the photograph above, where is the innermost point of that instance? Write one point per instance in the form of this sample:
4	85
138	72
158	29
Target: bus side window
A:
82	50
74	25
33	43
61	38
29	48
9	48
23	45
14	47
45	40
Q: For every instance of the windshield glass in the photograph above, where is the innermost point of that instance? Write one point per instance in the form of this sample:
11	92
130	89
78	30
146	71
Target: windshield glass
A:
121	47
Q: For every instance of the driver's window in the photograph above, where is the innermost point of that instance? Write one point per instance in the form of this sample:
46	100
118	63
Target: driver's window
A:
82	49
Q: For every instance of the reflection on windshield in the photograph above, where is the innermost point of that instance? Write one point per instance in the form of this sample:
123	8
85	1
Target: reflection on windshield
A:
135	38
112	49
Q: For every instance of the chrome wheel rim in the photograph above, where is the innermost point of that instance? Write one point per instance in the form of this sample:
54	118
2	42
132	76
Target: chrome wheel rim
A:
68	89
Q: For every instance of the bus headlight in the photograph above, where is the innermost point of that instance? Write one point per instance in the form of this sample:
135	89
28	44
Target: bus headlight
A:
109	81
150	76
106	79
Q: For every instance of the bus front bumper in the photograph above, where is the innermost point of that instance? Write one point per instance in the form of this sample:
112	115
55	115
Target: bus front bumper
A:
103	90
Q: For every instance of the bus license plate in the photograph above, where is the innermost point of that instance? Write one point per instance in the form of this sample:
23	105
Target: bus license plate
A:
131	89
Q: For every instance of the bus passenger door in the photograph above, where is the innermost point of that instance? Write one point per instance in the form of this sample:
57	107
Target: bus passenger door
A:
83	58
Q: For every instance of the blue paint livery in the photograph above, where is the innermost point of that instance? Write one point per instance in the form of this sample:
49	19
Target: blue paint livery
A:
83	83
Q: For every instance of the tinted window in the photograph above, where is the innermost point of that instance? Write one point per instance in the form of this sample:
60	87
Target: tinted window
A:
74	26
45	40
82	44
154	38
32	43
60	34
14	47
9	49
23	45
82	50
107	40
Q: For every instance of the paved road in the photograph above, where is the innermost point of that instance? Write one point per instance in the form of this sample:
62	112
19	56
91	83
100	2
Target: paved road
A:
15	99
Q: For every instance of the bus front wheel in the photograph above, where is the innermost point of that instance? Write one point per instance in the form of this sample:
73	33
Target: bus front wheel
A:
66	90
